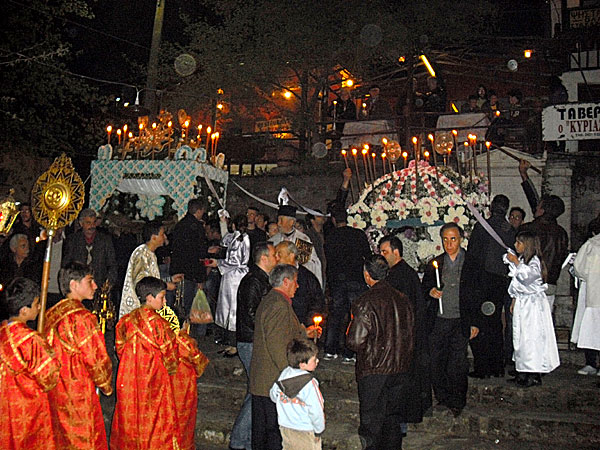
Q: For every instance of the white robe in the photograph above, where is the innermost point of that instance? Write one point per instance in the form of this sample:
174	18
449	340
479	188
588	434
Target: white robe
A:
586	327
232	268
314	263
534	341
142	263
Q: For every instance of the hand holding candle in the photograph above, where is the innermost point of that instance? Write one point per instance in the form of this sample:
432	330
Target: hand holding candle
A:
438	284
317	320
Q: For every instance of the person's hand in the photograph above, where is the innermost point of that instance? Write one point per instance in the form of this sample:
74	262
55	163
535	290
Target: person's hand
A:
347	174
214	249
313	331
210	262
435	293
523	166
512	258
512	305
171	286
177	278
474	332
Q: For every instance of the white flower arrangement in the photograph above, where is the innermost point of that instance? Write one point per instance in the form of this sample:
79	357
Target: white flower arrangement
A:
150	206
418	200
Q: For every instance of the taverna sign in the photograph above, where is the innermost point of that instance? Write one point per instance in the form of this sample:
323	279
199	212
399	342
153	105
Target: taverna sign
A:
571	122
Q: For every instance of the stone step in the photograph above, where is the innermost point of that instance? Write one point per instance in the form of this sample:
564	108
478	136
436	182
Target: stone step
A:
562	391
491	421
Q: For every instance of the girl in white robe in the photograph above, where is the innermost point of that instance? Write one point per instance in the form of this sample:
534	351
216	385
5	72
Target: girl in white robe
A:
534	341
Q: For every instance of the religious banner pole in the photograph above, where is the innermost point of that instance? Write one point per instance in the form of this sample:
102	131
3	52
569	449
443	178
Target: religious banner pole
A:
56	200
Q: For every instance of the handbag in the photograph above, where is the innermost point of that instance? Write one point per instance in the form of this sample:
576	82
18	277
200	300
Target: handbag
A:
200	312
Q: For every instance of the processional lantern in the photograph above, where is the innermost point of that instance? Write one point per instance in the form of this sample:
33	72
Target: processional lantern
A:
8	213
56	200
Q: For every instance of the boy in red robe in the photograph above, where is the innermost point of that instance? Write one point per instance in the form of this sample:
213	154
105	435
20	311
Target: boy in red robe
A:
145	414
28	369
73	332
192	363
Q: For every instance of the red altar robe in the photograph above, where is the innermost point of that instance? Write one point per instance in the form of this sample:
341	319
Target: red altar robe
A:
28	370
73	332
192	363
145	414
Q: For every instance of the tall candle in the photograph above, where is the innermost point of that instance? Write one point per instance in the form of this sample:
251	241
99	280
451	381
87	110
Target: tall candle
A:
119	136
354	152
208	130
364	155
438	284
405	156
488	144
374	165
385	170
216	141
415	142
109	131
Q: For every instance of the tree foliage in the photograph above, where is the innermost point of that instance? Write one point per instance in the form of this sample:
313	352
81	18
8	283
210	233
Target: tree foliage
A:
44	107
256	50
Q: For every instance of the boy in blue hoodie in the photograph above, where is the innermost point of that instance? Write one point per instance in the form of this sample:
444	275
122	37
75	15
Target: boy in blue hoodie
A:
298	398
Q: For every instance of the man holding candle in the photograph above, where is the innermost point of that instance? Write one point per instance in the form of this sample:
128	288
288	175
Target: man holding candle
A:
452	325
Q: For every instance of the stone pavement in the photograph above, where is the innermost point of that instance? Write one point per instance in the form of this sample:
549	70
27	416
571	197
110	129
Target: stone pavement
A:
563	413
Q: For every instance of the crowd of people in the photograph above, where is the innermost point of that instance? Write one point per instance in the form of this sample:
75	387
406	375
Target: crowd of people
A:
265	282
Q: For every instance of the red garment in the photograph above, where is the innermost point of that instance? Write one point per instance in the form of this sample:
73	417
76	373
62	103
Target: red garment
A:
145	414
75	336
28	369
192	363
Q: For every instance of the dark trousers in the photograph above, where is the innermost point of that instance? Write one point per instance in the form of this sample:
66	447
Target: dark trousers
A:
343	294
449	364
591	357
488	346
265	428
380	420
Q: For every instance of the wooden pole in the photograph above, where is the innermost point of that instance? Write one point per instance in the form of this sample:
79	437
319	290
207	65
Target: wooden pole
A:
45	278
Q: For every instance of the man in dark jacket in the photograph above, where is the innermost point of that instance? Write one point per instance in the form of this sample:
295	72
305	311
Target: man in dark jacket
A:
382	333
451	324
253	287
92	247
405	279
345	250
489	283
188	247
554	240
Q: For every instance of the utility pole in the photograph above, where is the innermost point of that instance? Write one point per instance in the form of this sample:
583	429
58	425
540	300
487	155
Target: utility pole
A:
150	94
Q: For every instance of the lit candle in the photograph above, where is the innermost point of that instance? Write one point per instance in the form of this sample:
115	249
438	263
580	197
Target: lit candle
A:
415	142
488	144
438	284
216	141
344	152
109	131
317	320
374	161
334	112
119	136
426	155
354	152
470	170
405	156
208	130
141	127
385	170
199	133
364	154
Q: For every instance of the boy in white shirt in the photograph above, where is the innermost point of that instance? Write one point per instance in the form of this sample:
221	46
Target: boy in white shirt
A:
298	398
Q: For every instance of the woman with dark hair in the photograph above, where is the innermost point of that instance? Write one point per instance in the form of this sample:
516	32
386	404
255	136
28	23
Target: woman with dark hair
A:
232	268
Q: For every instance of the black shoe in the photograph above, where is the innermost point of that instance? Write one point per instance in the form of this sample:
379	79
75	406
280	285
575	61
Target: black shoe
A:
530	380
512	372
498	373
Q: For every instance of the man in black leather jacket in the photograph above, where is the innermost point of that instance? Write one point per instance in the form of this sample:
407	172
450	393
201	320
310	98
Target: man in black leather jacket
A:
253	287
382	333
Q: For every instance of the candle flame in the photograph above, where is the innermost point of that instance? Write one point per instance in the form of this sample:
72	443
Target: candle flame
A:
454	132
383	155
186	123
405	155
435	264
364	151
199	127
430	137
414	140
130	134
119	132
488	144
125	128
344	152
170	123
426	153
385	141
497	113
373	155
153	124
317	320
109	128
141	126
366	146
208	130
354	151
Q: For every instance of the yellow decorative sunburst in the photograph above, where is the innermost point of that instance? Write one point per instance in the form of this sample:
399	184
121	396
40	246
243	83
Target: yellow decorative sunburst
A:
58	195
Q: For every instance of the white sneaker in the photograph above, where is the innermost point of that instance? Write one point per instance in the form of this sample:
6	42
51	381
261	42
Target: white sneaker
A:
348	360
329	356
588	370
